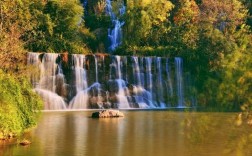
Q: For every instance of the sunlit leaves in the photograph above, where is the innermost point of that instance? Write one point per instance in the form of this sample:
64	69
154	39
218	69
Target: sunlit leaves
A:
19	105
224	15
188	13
145	20
186	20
58	27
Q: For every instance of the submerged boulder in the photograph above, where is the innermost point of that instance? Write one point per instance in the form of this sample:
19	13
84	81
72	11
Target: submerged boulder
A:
107	114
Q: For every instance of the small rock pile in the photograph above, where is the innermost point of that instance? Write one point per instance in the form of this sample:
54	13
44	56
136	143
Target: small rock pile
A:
107	114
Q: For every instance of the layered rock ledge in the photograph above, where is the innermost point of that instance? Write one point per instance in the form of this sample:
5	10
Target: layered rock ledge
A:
107	114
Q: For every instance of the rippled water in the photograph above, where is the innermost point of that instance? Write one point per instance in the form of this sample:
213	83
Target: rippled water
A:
139	133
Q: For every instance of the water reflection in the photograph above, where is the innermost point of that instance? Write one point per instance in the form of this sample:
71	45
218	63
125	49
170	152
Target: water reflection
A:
139	133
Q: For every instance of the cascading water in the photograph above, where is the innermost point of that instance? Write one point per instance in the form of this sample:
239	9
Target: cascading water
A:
115	33
99	99
50	85
136	71
149	80
179	79
120	95
141	96
81	98
160	85
96	69
106	81
80	72
169	85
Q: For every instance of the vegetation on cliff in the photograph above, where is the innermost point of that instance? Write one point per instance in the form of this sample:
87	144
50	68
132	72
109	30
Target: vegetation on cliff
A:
19	105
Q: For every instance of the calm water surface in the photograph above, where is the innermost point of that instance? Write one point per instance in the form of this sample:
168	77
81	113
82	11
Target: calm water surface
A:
139	133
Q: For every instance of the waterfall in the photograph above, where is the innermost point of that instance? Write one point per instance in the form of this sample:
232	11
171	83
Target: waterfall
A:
52	101
120	95
33	59
107	81
118	65
81	99
115	33
160	94
136	71
80	72
179	79
141	96
50	85
169	85
96	68
149	80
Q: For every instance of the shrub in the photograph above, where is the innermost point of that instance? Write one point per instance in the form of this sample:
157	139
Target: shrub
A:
19	105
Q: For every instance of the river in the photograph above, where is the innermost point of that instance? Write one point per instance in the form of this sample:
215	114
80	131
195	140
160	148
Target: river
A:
139	133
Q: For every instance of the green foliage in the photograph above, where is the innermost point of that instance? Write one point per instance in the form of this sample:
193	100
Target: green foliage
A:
226	48
14	20
58	27
223	15
236	67
186	19
98	26
98	23
146	22
146	51
19	104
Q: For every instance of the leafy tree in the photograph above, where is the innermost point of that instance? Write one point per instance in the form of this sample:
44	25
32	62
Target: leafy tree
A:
235	87
59	27
224	37
186	23
146	22
19	105
223	15
98	23
14	21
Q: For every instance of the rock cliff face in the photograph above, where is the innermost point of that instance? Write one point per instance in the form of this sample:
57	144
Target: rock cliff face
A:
106	81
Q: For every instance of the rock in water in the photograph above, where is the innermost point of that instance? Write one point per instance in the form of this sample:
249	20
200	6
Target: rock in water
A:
25	142
107	114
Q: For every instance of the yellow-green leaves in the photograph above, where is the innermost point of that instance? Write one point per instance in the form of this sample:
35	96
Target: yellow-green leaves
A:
19	105
147	21
58	27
